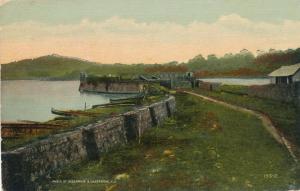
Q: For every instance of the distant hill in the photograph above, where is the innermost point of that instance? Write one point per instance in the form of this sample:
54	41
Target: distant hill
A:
45	67
56	67
242	64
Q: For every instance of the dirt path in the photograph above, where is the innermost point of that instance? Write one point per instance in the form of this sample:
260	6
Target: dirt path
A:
267	123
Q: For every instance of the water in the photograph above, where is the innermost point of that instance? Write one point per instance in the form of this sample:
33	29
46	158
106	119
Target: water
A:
33	100
238	81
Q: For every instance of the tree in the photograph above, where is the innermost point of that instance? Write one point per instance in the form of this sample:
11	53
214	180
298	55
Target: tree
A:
212	59
196	62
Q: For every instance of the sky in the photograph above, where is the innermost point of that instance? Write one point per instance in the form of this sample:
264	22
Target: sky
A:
145	31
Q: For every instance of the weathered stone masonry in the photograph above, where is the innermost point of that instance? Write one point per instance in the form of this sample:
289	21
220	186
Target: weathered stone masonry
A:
40	159
113	87
279	92
25	167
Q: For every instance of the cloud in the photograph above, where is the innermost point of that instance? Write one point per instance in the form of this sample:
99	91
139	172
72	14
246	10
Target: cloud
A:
128	41
2	2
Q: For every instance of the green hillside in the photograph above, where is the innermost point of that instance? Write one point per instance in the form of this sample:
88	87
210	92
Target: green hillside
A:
242	64
55	67
45	67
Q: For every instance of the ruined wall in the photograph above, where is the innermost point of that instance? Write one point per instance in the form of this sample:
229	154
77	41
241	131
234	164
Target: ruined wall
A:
280	92
297	87
25	167
171	106
209	86
112	87
298	103
125	87
181	83
158	112
37	160
137	122
102	136
141	119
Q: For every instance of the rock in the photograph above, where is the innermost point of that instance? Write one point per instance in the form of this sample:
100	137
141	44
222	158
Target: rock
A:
123	176
167	152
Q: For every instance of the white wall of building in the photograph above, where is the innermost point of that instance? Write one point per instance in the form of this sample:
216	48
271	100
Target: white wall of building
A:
273	80
296	77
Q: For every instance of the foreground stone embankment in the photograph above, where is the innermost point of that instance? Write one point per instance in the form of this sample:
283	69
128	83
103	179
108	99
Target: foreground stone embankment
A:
24	168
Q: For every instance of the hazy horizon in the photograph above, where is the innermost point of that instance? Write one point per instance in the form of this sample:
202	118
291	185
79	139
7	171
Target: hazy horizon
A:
186	61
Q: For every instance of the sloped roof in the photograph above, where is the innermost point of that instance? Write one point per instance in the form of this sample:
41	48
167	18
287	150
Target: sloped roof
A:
286	70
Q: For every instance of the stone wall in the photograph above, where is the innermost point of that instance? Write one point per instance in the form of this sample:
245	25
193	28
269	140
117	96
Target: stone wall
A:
25	167
112	87
298	103
102	136
280	92
209	86
177	83
137	122
171	106
40	159
158	112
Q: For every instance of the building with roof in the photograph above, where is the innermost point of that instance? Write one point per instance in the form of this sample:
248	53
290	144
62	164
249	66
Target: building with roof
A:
286	74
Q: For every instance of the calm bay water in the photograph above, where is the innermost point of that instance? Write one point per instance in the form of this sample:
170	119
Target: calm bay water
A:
33	100
238	81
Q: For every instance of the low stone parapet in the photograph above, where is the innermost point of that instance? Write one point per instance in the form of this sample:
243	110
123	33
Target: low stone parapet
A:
24	168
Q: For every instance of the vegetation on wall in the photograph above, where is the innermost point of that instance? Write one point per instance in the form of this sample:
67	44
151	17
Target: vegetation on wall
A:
203	147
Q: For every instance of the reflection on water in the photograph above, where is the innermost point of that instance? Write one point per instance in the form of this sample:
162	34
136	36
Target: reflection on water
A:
238	81
33	100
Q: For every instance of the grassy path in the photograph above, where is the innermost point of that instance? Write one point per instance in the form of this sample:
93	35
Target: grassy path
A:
205	146
265	120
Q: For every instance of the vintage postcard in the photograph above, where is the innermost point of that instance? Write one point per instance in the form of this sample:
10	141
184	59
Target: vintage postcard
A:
150	95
